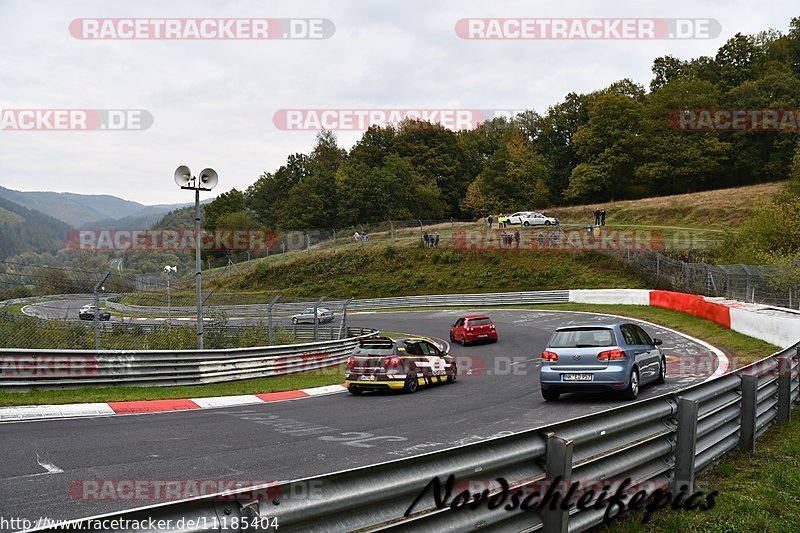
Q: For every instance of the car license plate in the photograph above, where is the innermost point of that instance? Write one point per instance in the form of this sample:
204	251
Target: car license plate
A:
483	335
366	378
577	377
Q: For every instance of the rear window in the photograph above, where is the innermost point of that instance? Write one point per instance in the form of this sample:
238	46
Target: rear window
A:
480	322
374	348
582	338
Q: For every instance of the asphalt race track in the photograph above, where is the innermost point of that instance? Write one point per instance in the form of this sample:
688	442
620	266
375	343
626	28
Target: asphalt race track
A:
44	460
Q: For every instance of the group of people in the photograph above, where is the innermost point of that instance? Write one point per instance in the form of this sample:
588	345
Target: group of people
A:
502	221
430	241
360	237
507	238
599	217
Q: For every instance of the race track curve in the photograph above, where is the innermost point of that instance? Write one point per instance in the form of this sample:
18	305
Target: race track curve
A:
45	461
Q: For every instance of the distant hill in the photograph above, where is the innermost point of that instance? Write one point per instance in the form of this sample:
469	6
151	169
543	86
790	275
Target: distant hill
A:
89	210
26	230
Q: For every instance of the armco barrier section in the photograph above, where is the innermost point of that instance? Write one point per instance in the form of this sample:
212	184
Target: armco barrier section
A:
655	444
42	369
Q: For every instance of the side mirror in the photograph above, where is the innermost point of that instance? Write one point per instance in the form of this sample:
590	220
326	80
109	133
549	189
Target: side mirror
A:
656	342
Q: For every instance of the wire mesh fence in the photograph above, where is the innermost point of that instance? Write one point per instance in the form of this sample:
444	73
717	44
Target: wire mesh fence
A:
764	284
45	307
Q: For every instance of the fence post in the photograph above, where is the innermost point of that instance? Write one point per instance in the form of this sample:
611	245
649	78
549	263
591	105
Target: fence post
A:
686	277
391	229
343	323
747	438
558	465
308	242
686	445
785	388
658	266
334	240
96	318
269	318
316	319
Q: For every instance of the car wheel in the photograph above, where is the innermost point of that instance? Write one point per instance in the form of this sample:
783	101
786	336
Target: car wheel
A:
494	340
662	372
632	392
451	378
354	390
550	395
294	320
463	340
546	222
526	224
411	384
452	339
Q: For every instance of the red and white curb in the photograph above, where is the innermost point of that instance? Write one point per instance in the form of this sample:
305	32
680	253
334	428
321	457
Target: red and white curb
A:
78	410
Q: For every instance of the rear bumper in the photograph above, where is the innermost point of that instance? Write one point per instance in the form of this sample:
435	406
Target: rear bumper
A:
472	337
612	378
381	381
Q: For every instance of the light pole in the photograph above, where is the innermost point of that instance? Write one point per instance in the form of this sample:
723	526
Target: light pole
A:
169	270
204	182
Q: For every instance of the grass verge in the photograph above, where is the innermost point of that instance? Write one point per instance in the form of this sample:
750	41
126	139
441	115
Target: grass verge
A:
757	492
301	380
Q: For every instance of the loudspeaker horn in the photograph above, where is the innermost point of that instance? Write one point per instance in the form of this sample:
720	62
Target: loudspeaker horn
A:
208	178
183	176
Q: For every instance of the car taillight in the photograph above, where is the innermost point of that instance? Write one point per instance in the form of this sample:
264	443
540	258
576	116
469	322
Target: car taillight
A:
611	355
549	356
391	361
351	362
491	326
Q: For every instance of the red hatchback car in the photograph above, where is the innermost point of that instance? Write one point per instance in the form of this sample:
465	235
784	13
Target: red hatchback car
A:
473	328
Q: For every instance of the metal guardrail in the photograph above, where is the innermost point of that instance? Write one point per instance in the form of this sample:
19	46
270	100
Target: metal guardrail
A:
435	300
659	443
42	369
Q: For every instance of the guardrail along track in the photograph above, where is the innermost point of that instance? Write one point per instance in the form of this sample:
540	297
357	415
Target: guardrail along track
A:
42	369
655	444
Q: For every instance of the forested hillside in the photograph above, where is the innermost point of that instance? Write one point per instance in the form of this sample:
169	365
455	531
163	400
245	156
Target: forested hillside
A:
23	230
615	143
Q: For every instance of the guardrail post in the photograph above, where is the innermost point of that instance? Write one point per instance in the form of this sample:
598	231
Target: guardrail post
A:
686	445
558	464
785	388
747	433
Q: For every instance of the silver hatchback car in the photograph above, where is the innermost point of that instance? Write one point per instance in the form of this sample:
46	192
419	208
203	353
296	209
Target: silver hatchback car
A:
620	357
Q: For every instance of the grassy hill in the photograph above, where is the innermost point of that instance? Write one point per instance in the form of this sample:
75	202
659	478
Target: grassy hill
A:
718	209
391	271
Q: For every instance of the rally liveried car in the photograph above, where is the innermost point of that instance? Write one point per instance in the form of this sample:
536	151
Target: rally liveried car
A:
382	363
473	328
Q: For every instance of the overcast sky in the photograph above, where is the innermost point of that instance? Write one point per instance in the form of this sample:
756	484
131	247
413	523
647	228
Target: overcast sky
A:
213	101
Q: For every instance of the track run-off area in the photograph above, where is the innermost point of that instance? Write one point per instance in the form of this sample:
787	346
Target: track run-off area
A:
86	466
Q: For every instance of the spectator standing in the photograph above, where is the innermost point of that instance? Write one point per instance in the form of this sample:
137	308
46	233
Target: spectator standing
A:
426	238
603	217
356	237
540	239
436	240
489	221
596	217
364	238
516	238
